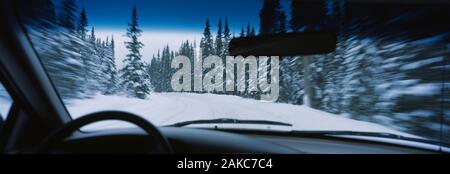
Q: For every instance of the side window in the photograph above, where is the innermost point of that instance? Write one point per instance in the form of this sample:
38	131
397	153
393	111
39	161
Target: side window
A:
5	102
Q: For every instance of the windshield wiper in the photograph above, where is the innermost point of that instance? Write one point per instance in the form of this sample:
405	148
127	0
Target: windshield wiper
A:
230	121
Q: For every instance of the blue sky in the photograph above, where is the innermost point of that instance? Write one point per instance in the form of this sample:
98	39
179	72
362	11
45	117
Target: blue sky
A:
168	22
186	15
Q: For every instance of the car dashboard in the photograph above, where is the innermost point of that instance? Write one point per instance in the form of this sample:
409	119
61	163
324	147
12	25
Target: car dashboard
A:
203	141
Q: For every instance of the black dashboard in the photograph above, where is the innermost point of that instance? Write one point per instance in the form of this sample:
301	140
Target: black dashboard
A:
203	141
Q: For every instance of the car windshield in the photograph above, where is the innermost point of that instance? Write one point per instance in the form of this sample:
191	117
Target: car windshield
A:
169	62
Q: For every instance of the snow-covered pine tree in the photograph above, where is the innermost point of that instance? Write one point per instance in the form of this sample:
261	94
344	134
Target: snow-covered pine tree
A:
82	24
70	56
92	37
65	59
61	61
226	39
166	70
68	50
291	81
225	51
327	70
103	64
155	74
413	81
85	48
136	80
111	69
160	67
219	39
207	43
68	15
335	12
187	49
242	34
92	67
362	70
219	48
158	73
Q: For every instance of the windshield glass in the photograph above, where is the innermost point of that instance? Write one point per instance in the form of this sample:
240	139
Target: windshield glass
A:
168	61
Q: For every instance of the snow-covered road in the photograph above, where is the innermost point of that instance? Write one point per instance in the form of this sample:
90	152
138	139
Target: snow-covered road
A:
169	108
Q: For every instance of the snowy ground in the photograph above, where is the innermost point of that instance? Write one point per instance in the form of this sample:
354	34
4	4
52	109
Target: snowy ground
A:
170	108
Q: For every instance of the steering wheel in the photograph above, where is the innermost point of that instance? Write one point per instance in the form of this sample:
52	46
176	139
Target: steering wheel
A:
161	144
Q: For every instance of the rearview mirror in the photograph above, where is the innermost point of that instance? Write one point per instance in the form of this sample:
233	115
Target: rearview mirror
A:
287	44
